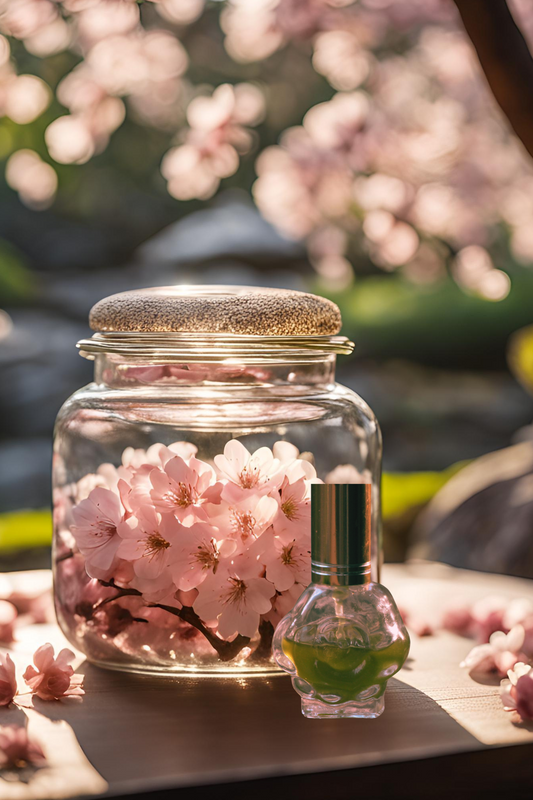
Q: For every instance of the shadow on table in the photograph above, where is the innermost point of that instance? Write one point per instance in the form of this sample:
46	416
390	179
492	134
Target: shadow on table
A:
149	733
9	774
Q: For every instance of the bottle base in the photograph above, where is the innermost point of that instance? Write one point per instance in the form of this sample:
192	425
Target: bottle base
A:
367	709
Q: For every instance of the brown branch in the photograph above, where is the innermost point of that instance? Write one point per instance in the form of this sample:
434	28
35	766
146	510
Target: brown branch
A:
65	556
506	61
263	651
226	650
120	593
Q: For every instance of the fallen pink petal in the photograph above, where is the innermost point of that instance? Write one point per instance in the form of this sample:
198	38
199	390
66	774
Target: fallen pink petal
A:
8	618
516	691
8	680
53	678
499	654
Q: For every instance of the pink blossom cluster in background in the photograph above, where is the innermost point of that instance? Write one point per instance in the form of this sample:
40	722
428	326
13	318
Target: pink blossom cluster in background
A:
218	133
229	539
120	58
407	164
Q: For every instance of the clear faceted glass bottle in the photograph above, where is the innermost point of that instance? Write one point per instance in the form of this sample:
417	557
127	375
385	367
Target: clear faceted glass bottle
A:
211	413
345	637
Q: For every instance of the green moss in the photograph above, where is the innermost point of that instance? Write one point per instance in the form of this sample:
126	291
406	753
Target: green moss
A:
25	529
404	490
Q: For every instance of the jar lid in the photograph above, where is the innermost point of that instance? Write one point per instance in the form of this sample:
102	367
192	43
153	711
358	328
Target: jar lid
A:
241	310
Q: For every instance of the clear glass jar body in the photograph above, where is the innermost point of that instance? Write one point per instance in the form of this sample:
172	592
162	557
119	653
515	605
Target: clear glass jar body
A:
111	474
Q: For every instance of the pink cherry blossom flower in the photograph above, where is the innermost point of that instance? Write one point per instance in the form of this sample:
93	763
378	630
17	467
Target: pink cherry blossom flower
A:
287	563
420	626
146	539
257	472
183	449
500	654
516	692
167	373
31	595
246	520
39	609
233	603
417	623
157	590
183	488
96	520
458	620
8	680
347	473
487	616
107	480
135	492
293	464
53	678
520	611
198	555
17	750
157	454
285	452
216	137
293	519
286	600
124	573
283	602
8	615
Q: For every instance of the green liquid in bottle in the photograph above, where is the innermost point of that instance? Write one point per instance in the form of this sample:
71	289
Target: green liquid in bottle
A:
346	671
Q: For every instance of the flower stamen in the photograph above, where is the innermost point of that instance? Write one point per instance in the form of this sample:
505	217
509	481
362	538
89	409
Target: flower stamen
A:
104	528
244	523
249	477
183	497
287	556
155	544
207	555
236	593
290	508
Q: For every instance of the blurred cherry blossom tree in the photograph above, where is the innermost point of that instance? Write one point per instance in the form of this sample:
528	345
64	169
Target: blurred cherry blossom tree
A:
374	135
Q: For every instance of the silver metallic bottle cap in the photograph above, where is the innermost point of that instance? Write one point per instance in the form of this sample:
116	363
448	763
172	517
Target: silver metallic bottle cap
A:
340	533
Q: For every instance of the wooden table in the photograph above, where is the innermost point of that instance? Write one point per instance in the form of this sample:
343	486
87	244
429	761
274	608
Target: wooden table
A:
441	734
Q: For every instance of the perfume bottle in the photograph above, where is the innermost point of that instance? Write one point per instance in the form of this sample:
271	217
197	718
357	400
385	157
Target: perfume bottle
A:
345	637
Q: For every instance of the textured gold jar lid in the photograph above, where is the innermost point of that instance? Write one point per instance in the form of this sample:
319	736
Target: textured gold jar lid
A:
239	310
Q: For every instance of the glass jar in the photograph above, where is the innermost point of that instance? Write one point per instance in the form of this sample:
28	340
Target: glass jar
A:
182	476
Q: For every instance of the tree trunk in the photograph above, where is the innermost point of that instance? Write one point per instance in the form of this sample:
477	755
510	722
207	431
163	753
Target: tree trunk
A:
505	59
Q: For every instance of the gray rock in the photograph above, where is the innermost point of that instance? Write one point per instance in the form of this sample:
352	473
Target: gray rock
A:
25	466
40	368
483	517
230	229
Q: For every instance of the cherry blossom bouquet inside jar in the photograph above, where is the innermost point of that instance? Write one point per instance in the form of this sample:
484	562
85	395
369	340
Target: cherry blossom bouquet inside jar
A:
182	474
